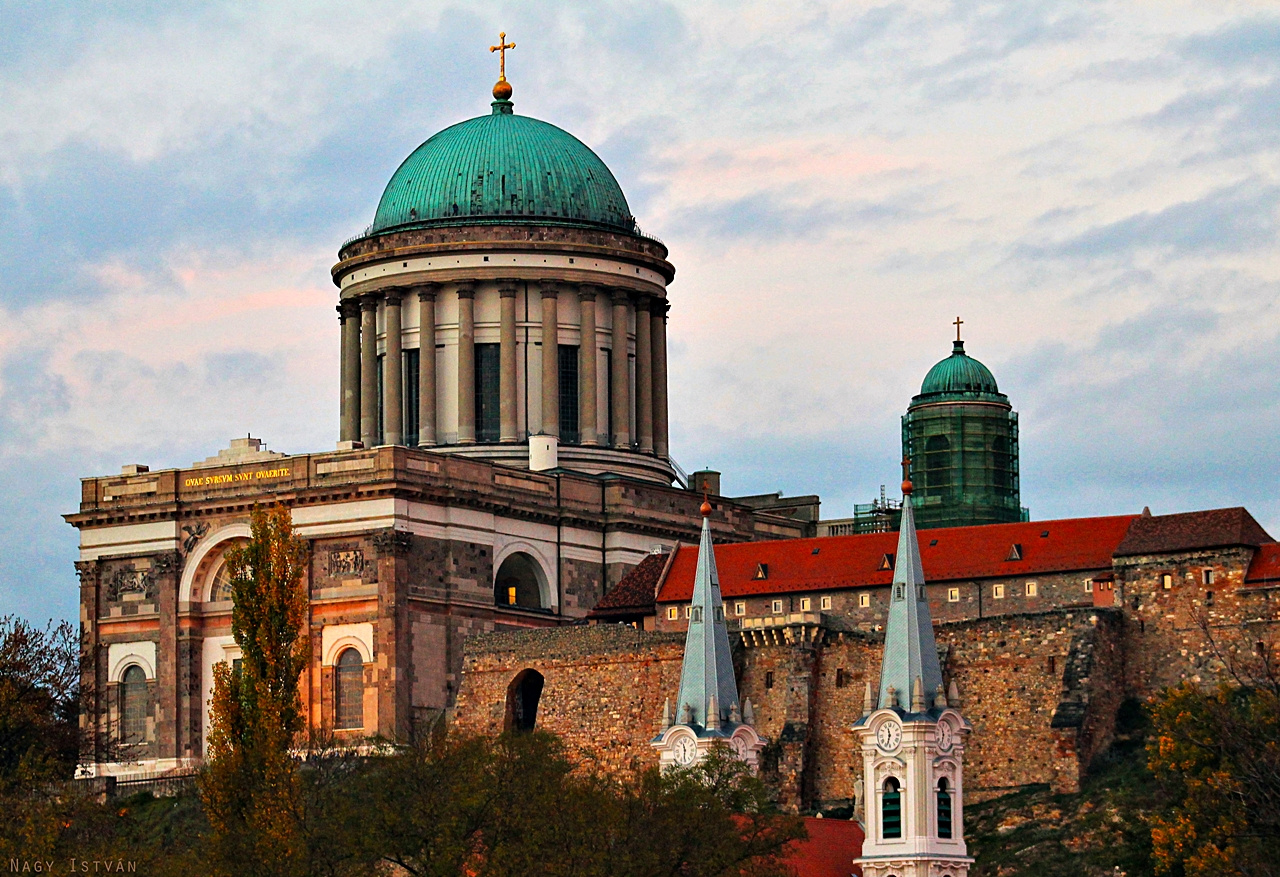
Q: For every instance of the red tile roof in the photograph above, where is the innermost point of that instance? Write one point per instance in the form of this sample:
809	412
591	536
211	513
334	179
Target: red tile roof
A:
1216	528
829	850
1265	566
953	553
634	592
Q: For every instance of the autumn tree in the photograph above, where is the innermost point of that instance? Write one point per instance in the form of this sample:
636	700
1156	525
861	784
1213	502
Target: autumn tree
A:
251	789
1216	755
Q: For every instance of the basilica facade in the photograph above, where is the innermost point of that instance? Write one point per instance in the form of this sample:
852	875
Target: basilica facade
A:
502	457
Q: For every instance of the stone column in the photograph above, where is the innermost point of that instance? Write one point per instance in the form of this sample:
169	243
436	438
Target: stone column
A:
368	371
427	365
550	358
644	376
393	374
588	421
466	364
619	377
507	361
658	319
350	311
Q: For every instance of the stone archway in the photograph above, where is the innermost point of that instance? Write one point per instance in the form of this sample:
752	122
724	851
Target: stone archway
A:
520	582
523	695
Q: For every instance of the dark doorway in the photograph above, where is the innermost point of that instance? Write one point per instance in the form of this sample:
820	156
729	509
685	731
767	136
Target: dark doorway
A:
522	700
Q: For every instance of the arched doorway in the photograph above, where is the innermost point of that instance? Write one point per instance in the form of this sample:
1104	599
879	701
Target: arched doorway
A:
519	582
523	695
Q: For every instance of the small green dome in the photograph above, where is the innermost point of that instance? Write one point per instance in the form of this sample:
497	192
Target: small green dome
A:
503	168
959	378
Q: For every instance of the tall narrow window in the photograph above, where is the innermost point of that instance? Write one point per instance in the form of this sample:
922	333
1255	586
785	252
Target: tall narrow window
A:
607	356
382	426
133	705
937	469
569	394
944	809
891	810
488	417
348	690
410	395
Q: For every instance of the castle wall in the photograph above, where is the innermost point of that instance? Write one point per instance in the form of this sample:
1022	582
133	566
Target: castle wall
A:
1041	692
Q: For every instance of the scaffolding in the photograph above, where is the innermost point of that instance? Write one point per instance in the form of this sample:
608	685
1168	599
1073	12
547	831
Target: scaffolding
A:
963	463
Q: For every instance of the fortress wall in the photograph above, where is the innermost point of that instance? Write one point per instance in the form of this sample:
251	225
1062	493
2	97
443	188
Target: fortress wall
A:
1041	692
603	691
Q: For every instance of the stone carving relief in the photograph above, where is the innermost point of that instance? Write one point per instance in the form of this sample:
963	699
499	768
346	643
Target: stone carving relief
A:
129	580
86	570
346	561
194	533
166	563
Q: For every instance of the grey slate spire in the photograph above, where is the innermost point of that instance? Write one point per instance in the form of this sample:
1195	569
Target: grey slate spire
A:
707	673
910	652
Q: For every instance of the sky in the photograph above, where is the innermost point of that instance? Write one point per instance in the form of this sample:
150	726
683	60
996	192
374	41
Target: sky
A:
1092	187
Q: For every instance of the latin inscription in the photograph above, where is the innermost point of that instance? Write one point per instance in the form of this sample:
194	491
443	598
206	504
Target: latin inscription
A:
235	477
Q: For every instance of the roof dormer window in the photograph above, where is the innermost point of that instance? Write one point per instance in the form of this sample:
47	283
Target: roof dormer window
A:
762	572
1015	552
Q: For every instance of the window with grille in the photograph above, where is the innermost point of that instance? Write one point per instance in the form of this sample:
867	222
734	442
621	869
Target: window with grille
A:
133	705
891	810
488	399
569	394
944	809
348	690
410	395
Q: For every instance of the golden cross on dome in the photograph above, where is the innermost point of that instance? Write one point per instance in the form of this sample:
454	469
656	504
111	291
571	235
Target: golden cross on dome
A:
501	49
958	323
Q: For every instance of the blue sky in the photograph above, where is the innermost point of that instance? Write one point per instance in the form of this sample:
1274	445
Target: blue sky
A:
1092	187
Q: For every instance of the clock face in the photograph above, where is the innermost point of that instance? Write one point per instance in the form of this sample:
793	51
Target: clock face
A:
945	737
739	746
889	735
684	750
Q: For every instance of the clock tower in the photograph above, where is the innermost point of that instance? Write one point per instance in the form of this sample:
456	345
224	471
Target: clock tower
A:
707	708
911	739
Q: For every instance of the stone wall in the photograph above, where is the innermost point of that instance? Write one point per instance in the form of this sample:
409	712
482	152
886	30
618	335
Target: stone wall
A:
603	689
1041	692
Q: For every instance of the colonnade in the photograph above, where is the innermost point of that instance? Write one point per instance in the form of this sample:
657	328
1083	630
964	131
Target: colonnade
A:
360	363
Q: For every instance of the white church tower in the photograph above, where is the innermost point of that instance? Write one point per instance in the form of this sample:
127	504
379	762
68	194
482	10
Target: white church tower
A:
707	708
912	740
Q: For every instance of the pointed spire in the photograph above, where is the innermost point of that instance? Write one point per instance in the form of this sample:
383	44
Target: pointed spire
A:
713	714
917	696
868	700
748	712
953	695
707	672
666	713
735	715
939	699
910	651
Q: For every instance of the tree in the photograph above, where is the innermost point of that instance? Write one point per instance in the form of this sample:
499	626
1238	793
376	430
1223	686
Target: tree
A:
39	703
516	805
1216	756
250	787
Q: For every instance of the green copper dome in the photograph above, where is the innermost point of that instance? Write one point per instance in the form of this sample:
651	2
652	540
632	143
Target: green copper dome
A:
959	378
503	168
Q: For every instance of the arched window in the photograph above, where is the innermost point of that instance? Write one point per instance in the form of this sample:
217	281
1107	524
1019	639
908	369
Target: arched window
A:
522	700
133	705
348	690
518	583
220	590
944	809
937	470
891	810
